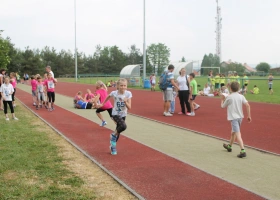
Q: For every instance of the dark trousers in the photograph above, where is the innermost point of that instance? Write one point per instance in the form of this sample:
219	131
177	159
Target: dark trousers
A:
121	125
184	100
6	106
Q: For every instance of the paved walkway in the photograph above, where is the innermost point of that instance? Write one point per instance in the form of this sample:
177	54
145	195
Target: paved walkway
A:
258	173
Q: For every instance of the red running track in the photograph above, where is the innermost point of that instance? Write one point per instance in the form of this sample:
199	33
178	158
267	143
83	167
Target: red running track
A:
262	133
150	173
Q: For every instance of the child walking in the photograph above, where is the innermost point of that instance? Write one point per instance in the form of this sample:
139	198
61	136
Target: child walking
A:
49	83
40	93
6	91
101	95
33	88
13	81
234	102
193	94
122	103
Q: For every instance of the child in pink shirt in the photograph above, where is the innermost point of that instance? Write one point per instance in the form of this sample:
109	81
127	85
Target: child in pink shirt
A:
88	96
101	94
13	81
49	84
34	88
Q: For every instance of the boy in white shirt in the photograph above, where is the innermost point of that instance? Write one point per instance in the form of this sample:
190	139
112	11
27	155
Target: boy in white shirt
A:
234	102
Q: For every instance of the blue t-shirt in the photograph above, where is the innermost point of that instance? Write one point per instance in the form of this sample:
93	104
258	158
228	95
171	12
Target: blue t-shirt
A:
169	77
82	104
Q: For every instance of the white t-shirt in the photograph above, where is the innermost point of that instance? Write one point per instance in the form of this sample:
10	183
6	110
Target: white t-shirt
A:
7	91
234	103
153	79
119	105
182	82
206	90
52	73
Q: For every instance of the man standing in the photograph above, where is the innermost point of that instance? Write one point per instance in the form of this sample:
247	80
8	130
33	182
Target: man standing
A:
49	70
168	93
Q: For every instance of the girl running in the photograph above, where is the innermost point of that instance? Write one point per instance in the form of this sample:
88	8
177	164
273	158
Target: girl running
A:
122	103
101	94
6	91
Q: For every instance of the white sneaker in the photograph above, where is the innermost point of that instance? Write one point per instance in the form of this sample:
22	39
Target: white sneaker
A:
197	107
167	114
192	114
14	118
7	119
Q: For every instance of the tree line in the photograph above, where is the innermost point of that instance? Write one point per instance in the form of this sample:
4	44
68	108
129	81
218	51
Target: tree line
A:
104	60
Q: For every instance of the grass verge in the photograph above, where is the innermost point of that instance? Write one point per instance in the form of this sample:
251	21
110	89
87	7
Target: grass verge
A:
36	163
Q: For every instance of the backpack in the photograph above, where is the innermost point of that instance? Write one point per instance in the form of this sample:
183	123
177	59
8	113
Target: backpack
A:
163	82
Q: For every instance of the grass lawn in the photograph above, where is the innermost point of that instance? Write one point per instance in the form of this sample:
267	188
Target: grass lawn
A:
36	163
254	80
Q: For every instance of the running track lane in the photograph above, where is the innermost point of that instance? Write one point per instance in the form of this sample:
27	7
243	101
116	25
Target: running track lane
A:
262	133
150	173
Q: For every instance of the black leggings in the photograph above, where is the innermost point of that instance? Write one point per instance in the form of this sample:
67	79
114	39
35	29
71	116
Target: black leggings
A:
121	125
51	96
184	99
6	106
13	95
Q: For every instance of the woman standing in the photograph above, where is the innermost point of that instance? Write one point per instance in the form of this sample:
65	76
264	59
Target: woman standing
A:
183	83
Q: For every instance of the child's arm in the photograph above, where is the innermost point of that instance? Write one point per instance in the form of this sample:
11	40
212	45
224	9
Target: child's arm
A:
127	103
96	98
248	112
102	104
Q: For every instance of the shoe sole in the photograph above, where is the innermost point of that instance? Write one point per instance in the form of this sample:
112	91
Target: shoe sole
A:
241	155
225	146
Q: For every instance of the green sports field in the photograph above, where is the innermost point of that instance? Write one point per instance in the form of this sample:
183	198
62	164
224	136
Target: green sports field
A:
262	84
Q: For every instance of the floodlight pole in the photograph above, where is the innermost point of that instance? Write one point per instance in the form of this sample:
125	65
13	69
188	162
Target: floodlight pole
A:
144	43
76	65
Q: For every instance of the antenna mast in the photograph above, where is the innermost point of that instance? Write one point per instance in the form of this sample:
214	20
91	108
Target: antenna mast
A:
218	32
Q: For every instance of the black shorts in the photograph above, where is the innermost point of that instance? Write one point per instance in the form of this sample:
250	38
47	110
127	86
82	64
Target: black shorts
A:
222	84
89	105
246	84
99	110
193	97
51	96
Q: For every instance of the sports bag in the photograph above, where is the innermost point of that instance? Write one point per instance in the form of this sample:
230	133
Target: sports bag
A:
163	82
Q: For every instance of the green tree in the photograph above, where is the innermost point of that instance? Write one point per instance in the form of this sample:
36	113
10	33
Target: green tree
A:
183	59
159	56
4	52
263	66
237	67
210	60
134	56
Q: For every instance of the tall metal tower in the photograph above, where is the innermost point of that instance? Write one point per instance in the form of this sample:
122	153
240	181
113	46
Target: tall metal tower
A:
218	32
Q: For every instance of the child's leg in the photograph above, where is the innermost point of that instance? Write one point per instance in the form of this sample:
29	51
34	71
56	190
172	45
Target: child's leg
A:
239	140
5	103
11	108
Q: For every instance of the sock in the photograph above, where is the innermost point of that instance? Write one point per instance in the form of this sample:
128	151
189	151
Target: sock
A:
229	146
243	150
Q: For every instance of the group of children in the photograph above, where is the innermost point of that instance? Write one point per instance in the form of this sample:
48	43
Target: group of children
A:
43	91
99	100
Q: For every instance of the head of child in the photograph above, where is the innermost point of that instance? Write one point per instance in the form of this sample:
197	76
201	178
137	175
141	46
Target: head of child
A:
79	93
223	88
7	80
122	85
49	76
32	77
12	75
99	85
192	76
206	85
45	75
88	91
39	79
234	86
255	85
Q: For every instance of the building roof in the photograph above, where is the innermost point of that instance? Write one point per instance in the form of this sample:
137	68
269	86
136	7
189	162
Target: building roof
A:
248	68
130	71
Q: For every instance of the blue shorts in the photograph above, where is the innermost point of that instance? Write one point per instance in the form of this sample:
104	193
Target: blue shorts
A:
235	125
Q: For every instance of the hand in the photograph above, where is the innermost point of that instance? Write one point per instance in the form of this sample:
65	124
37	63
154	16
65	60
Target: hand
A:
125	99
249	119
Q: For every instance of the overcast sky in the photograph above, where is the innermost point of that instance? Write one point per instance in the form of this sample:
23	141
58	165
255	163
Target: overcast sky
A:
250	28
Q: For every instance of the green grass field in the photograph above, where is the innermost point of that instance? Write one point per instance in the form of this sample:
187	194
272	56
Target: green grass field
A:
256	80
30	164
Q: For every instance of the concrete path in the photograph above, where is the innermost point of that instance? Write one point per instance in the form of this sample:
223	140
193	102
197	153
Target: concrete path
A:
259	172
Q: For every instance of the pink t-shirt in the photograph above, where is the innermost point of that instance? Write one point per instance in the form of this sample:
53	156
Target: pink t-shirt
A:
103	94
14	82
89	96
49	83
33	84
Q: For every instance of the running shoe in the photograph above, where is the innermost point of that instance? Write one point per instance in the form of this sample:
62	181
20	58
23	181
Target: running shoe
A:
103	123
192	114
34	104
37	108
167	114
197	107
188	114
242	155
180	113
7	119
14	118
113	150
227	147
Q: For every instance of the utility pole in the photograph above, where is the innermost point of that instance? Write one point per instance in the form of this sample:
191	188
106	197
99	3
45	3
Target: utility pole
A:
144	41
218	32
76	65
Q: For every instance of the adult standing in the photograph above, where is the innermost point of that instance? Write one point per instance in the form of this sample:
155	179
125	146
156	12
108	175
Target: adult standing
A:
183	82
168	93
49	70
